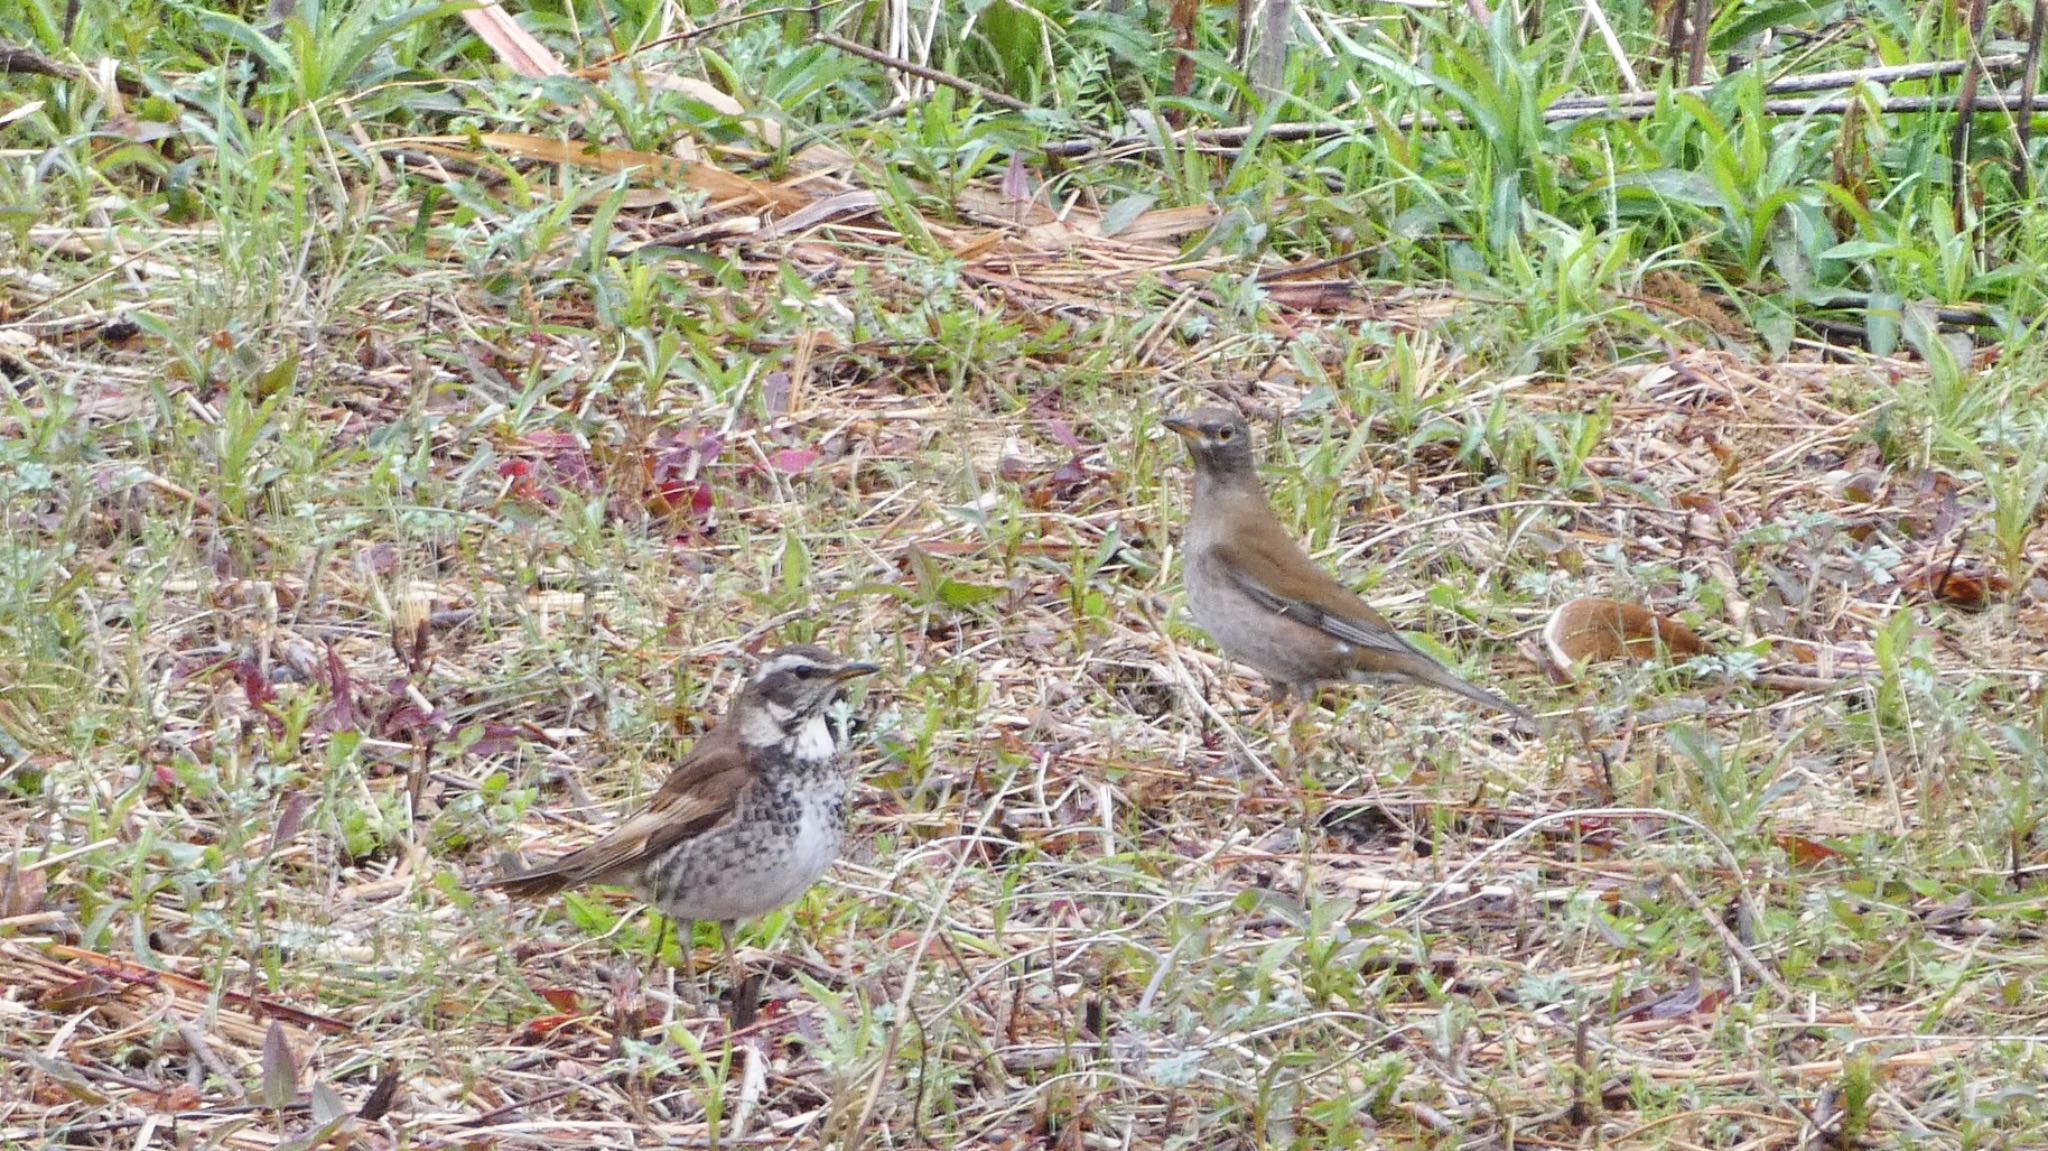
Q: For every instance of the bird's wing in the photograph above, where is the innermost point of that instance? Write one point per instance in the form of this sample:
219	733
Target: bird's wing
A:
1303	593
697	795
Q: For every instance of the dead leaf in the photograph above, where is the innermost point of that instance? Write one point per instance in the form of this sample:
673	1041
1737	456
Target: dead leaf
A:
1957	585
21	889
792	461
1591	629
81	992
539	1029
280	1069
183	1097
1804	852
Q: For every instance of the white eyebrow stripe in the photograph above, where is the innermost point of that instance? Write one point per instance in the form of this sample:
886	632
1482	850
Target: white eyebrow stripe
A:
787	661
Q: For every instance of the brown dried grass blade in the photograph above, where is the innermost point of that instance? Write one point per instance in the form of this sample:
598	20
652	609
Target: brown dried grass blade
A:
511	43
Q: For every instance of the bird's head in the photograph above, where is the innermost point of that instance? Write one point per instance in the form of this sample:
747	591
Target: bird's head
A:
1218	439
790	688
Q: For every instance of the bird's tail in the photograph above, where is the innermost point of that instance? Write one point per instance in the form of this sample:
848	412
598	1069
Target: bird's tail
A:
1435	674
530	883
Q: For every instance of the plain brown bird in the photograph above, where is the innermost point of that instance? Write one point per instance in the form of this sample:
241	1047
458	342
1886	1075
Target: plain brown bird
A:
747	822
1265	602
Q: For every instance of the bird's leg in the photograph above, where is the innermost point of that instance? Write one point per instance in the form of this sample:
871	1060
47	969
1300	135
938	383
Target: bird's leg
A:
661	930
1295	745
1276	694
1298	728
686	937
660	938
744	1000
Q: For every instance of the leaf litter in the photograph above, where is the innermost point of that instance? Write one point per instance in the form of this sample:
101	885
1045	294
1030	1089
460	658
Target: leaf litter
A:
1081	908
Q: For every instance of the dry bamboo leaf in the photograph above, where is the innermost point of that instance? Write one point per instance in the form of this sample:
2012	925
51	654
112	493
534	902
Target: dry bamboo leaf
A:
512	44
1169	223
1593	629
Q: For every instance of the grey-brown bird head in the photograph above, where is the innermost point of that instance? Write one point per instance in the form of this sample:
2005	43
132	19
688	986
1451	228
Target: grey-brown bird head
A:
791	687
1220	443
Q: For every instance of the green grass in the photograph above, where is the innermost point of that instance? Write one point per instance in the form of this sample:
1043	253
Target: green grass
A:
374	500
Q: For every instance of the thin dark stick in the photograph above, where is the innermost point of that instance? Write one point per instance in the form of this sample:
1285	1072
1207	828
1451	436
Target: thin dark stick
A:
717	25
24	60
1696	53
1966	115
1673	32
1815	81
1230	139
1181	20
2023	161
17	59
897	63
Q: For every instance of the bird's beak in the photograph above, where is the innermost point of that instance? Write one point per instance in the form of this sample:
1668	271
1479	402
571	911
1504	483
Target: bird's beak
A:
1180	426
853	670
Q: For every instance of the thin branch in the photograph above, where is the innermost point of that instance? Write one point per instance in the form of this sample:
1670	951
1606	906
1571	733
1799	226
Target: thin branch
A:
898	64
17	60
2023	159
1696	49
1230	139
1966	117
814	11
1816	81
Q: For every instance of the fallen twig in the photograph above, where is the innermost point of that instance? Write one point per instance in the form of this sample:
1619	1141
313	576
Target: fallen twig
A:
908	67
1616	107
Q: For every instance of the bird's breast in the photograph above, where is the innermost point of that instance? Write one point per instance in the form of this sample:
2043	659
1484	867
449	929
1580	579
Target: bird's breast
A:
813	741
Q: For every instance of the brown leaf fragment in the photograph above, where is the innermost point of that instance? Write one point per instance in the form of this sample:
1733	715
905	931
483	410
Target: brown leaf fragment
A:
79	993
182	1097
1961	586
381	1097
1804	852
1591	628
22	889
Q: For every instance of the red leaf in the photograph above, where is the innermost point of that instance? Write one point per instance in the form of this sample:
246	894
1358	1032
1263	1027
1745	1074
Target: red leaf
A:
1062	433
1805	852
255	684
539	1029
1071	475
341	712
497	739
792	461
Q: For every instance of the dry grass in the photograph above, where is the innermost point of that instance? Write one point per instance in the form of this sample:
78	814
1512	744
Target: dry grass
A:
287	668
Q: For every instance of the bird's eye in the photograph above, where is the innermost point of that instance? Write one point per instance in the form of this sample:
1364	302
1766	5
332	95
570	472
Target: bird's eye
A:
803	671
1223	435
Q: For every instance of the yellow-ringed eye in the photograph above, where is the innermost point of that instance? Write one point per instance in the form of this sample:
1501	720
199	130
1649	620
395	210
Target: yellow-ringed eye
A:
1223	435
